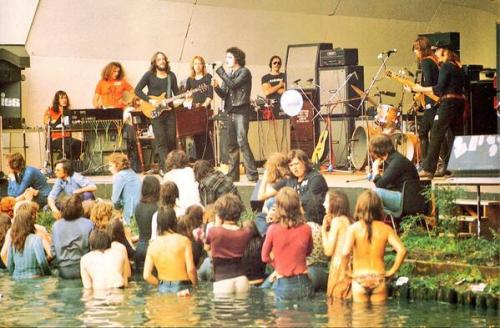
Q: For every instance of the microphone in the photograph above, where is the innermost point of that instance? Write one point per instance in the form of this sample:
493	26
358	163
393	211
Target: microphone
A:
388	53
297	81
215	63
387	93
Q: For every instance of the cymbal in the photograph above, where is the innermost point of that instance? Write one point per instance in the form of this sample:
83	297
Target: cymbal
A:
361	93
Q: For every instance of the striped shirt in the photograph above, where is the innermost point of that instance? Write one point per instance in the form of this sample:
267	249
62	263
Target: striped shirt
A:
30	263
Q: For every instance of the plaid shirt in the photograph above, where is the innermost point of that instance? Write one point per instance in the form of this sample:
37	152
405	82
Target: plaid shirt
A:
214	186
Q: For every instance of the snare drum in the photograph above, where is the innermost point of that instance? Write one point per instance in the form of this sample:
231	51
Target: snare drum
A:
387	116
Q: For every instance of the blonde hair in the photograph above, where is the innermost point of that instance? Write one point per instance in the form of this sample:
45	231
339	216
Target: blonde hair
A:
101	214
368	208
119	160
203	70
277	167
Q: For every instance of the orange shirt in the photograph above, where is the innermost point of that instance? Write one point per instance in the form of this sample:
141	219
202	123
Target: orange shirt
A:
54	116
111	92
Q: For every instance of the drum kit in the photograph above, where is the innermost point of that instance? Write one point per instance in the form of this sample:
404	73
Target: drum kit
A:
388	120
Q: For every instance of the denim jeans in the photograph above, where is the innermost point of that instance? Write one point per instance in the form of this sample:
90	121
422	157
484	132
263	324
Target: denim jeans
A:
238	141
206	270
319	276
173	286
165	135
293	288
390	198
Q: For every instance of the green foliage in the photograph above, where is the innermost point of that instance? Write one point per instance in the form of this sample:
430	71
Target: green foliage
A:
411	225
46	219
444	199
248	215
133	226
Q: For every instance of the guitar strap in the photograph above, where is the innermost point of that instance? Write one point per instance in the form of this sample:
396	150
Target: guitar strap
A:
169	86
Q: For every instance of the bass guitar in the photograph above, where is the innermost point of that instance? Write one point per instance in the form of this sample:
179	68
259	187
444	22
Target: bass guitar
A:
157	105
419	97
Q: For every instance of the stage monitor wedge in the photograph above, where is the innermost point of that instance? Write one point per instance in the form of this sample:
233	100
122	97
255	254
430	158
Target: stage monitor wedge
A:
302	62
475	156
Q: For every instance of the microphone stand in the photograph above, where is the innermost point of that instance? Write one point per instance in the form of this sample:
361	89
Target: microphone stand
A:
361	103
330	109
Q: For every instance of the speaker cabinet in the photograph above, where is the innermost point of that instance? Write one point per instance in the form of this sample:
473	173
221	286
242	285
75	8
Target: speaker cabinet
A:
9	73
302	62
498	62
333	87
340	132
452	38
303	126
267	137
483	118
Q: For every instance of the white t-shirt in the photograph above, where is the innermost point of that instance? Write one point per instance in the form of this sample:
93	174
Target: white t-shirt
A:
187	185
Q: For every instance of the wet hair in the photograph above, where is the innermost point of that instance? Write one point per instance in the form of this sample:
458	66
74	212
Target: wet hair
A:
7	205
176	159
116	231
5	223
202	169
22	227
55	101
185	227
87	206
229	208
277	167
150	190
119	160
204	69
152	67
338	204
101	214
288	208
368	208
72	208
423	45
108	70
381	145
239	55
67	166
301	156
166	220
272	59
16	161
99	240
169	194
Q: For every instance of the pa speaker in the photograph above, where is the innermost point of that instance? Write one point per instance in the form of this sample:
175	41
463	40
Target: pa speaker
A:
475	156
302	62
9	73
333	87
483	116
452	38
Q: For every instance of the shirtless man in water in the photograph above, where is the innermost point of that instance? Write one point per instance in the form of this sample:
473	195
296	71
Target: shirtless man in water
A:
104	267
367	239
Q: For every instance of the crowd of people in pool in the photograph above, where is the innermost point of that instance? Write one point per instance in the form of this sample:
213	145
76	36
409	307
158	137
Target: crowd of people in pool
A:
191	230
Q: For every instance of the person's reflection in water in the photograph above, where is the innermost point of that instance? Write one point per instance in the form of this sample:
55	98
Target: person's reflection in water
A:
169	310
102	306
368	315
339	314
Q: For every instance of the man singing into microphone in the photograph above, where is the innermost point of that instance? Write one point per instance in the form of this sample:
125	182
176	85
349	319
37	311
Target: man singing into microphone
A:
235	92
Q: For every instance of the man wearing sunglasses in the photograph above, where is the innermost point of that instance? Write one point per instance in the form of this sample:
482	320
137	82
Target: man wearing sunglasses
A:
273	83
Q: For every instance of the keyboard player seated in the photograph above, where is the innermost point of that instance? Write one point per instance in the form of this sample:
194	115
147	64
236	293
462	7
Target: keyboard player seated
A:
53	118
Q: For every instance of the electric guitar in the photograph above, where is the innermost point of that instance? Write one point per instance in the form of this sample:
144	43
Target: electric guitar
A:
420	97
319	150
159	104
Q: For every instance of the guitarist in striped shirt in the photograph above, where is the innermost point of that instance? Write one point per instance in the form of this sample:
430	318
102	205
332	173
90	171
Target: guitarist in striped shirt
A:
160	79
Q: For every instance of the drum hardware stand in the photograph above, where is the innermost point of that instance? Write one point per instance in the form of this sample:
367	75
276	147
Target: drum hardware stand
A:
375	78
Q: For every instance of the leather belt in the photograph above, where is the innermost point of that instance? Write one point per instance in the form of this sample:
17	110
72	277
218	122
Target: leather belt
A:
453	96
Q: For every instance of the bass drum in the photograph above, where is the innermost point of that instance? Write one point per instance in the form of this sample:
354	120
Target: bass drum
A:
359	150
406	144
